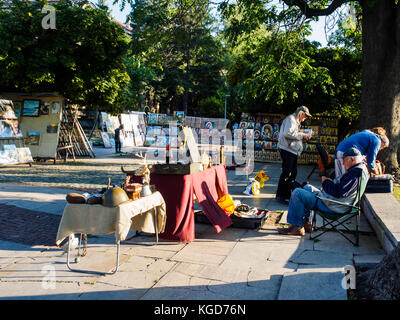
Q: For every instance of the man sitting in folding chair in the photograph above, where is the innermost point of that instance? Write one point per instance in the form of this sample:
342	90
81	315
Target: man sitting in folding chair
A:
336	198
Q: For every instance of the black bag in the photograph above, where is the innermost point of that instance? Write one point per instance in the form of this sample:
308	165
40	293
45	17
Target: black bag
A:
380	184
294	184
237	222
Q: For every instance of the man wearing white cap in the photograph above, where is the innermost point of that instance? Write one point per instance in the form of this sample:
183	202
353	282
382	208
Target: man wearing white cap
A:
290	146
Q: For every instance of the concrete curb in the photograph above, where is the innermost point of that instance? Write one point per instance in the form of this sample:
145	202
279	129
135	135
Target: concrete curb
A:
383	211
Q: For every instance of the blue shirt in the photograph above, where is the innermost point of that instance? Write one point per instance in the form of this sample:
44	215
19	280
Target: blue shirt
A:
367	142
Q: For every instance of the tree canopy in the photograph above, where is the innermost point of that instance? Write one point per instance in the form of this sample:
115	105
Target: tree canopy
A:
181	58
178	57
276	69
378	22
82	59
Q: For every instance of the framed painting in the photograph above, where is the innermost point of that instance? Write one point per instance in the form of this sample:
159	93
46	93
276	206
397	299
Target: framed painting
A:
52	128
10	129
17	108
31	108
33	138
7	111
106	140
45	108
55	107
24	155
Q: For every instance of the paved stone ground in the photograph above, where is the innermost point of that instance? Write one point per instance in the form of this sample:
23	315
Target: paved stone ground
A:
28	226
242	264
85	174
81	175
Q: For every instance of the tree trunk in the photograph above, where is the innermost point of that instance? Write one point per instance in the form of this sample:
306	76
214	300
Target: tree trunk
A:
382	282
380	106
380	100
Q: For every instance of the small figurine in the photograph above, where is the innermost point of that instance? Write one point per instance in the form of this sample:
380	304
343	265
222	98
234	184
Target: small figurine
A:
144	172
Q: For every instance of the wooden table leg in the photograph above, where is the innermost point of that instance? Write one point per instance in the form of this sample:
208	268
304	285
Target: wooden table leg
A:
156	223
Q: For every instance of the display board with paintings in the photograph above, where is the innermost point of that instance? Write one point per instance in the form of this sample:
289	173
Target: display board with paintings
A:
40	116
325	132
109	123
266	134
206	123
265	129
133	133
12	147
157	133
48	125
157	136
157	129
160	119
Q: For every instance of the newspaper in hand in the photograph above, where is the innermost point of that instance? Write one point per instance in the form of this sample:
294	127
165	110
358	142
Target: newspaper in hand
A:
308	132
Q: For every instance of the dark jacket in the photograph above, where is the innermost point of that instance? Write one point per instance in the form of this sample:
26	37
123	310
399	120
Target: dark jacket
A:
344	188
116	138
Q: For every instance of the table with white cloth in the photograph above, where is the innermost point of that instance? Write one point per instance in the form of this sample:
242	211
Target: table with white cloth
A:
96	219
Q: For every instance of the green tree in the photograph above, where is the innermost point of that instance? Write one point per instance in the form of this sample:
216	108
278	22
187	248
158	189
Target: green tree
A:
335	90
174	39
274	69
82	59
344	96
348	34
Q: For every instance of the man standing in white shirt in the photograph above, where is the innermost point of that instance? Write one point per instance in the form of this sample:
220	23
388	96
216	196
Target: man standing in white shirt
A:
290	146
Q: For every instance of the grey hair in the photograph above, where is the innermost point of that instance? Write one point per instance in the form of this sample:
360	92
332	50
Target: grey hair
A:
359	159
384	141
298	113
298	110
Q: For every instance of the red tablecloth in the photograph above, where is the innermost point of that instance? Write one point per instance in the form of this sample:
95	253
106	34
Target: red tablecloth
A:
177	190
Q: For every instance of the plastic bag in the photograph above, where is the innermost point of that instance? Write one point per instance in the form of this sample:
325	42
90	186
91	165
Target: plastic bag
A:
226	203
253	189
261	177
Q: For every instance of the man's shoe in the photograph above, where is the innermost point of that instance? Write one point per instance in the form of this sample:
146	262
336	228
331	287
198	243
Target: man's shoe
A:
292	230
307	227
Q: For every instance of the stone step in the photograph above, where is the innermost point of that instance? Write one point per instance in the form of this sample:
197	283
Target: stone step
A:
307	281
383	212
368	261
